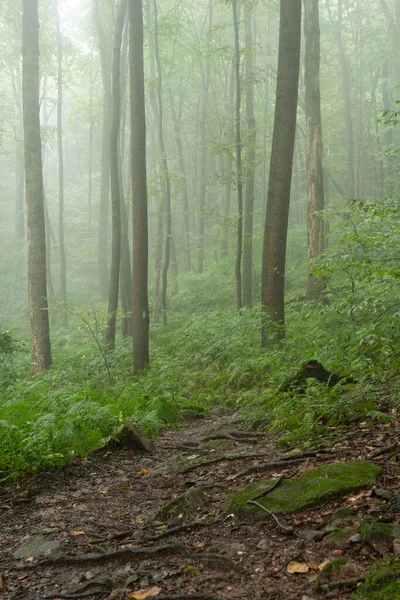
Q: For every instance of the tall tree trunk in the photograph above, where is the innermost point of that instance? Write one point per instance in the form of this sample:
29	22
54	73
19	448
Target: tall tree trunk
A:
19	164
280	174
314	173
91	133
164	173
184	186
61	236
203	153
105	150
125	283
115	178
337	27
37	290
229	111
50	236
140	302
250	171
239	175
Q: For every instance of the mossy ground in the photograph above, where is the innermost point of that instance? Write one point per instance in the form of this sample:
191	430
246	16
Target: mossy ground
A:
382	581
311	488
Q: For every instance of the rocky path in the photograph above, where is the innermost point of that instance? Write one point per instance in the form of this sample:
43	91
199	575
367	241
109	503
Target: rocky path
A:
100	528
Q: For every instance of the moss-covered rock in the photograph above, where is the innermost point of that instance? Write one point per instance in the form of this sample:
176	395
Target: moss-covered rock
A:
313	487
382	581
186	504
218	444
380	535
339	569
339	538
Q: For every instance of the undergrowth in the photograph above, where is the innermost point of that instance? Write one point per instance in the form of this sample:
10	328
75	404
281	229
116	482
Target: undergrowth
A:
212	355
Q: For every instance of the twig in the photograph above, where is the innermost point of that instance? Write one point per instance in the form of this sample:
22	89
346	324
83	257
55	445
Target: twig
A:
81	595
382	450
269	489
97	557
213	461
277	521
177	529
345	583
192	597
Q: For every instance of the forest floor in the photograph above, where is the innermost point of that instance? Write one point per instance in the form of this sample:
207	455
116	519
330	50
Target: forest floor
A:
91	529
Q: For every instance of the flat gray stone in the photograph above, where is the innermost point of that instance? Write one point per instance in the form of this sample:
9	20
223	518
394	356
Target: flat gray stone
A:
36	546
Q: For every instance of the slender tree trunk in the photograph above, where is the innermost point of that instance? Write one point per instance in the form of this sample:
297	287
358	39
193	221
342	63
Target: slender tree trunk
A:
37	290
251	161
164	174
280	174
203	152
125	268
91	133
61	236
314	173
115	178
229	111
337	27
239	177
140	303
50	237
105	150
19	164
184	187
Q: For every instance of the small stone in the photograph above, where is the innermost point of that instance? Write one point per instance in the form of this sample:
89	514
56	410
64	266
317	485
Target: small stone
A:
356	538
36	546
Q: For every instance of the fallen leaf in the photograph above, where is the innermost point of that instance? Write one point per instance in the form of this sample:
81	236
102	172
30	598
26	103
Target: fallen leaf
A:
143	472
296	567
337	552
147	593
356	497
102	491
123	487
76	532
323	564
130	453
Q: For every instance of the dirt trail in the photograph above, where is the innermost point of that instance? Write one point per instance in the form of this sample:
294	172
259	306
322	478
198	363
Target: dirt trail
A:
105	507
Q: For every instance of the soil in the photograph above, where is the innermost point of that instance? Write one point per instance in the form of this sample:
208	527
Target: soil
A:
100	514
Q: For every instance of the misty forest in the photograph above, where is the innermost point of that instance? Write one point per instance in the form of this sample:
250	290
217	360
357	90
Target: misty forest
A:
199	299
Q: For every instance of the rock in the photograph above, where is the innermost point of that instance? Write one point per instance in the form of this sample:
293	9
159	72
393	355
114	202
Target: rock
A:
36	546
356	538
186	504
380	535
190	414
340	570
132	437
221	411
311	488
264	544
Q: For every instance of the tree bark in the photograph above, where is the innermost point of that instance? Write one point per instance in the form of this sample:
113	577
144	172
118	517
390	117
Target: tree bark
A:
37	290
61	236
337	28
314	172
239	175
250	170
115	178
140	303
164	173
280	175
105	150
203	153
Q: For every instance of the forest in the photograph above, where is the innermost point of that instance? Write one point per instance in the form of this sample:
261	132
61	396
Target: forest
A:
199	272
